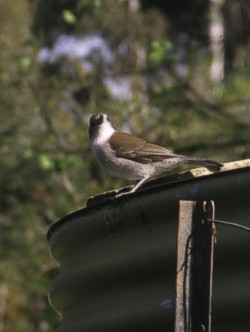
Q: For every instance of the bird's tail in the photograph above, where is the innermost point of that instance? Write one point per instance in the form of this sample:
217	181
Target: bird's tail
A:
203	162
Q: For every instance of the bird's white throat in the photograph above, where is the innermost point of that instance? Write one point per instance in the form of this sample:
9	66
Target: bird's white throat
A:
106	130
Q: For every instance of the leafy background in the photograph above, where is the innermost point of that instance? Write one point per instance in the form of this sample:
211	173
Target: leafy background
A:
150	71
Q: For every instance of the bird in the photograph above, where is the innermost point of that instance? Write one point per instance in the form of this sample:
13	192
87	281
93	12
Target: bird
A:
130	157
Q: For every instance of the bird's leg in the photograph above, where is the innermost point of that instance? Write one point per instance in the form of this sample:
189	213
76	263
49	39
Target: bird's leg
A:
138	185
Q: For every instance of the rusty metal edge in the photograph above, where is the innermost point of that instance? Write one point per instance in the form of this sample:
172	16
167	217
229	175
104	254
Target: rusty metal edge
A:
151	186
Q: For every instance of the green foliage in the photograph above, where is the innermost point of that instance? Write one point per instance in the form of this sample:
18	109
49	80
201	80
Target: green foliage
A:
68	17
25	62
158	52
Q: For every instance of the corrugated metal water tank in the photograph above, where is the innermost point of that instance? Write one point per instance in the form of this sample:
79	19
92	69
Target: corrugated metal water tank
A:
117	260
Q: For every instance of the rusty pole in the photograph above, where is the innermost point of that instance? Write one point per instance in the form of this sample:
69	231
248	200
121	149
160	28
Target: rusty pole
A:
195	247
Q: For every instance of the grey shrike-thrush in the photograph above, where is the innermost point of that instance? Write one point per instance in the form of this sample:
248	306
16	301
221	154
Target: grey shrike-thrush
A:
132	158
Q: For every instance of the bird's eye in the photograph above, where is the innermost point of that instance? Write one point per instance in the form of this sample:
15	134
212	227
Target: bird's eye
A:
96	119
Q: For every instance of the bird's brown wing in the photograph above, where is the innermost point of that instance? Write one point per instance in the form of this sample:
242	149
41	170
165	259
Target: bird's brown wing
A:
131	147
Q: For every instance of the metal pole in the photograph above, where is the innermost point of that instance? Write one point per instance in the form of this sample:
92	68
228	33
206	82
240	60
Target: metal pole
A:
195	246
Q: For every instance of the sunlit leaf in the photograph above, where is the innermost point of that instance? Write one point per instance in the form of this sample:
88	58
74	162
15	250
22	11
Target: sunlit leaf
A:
68	17
46	162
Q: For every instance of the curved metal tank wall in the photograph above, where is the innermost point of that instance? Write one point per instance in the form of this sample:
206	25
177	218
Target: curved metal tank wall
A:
117	260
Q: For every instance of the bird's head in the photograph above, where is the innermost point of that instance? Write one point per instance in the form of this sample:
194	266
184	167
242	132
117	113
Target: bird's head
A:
100	128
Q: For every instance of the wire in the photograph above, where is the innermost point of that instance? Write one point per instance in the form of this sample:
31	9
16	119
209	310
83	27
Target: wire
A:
227	223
